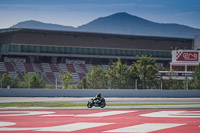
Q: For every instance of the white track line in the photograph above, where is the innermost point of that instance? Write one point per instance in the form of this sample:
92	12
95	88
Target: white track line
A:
103	114
179	114
60	128
24	113
145	128
99	114
73	127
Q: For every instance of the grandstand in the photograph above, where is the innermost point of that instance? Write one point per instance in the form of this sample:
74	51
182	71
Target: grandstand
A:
51	53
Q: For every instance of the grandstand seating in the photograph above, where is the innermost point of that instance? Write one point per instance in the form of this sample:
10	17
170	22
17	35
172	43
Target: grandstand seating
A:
75	77
89	67
83	66
20	67
54	68
20	76
105	67
63	68
9	67
28	67
13	74
50	72
46	67
2	67
39	67
51	76
57	76
71	68
78	69
81	75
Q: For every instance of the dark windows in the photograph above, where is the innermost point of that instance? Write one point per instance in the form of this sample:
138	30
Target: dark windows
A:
87	51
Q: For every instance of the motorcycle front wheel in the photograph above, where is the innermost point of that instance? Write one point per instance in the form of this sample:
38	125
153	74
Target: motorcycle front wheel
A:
89	105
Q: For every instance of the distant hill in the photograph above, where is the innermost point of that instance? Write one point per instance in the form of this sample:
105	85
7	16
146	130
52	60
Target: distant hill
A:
120	23
32	24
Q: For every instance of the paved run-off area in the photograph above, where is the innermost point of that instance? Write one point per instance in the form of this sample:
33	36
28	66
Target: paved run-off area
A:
108	100
137	102
101	121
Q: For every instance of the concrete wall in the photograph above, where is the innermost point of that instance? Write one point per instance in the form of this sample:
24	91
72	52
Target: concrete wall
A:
93	92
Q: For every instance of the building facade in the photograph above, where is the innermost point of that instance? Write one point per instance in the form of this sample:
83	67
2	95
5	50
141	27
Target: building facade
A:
54	52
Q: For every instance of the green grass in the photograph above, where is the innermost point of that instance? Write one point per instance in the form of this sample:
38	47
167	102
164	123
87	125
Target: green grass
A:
141	104
42	104
68	104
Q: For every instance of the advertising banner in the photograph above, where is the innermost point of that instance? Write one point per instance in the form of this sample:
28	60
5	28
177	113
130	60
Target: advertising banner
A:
185	56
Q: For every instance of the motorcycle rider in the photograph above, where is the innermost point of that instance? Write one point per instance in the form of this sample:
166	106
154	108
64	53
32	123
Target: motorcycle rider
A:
98	101
98	97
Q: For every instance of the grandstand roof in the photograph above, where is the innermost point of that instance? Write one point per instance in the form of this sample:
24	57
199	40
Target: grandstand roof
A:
91	40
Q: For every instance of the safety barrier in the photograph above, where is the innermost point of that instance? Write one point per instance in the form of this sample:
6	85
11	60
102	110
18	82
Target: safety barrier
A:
92	92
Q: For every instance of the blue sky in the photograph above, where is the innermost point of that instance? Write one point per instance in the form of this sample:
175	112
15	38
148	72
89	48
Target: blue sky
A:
79	12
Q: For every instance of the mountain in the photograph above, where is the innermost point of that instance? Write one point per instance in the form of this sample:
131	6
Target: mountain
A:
121	23
124	23
32	24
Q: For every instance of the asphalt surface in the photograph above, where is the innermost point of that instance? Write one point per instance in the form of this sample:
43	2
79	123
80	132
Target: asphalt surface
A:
195	106
189	103
108	100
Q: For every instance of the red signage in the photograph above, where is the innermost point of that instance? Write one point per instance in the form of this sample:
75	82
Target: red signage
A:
187	56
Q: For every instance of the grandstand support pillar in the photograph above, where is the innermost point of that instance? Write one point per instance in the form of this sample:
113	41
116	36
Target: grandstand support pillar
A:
32	59
185	68
53	60
186	82
170	66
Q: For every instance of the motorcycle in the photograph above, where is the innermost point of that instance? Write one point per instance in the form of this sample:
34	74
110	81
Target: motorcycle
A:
96	103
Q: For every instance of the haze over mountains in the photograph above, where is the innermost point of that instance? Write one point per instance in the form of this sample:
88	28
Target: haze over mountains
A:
120	23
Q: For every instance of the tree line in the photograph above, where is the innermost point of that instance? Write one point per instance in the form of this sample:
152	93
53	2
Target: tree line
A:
31	80
142	74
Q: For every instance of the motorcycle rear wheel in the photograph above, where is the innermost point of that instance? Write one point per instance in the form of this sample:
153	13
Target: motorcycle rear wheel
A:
103	105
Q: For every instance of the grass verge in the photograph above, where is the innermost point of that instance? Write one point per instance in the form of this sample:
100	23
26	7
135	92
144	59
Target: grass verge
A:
69	104
42	104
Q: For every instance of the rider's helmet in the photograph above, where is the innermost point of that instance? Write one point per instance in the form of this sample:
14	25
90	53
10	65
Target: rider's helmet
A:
98	94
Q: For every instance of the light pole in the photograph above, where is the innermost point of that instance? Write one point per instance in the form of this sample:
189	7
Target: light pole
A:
29	83
1	82
161	85
136	84
56	84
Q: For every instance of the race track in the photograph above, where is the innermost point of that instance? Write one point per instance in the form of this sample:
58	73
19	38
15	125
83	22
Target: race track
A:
108	100
101	121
